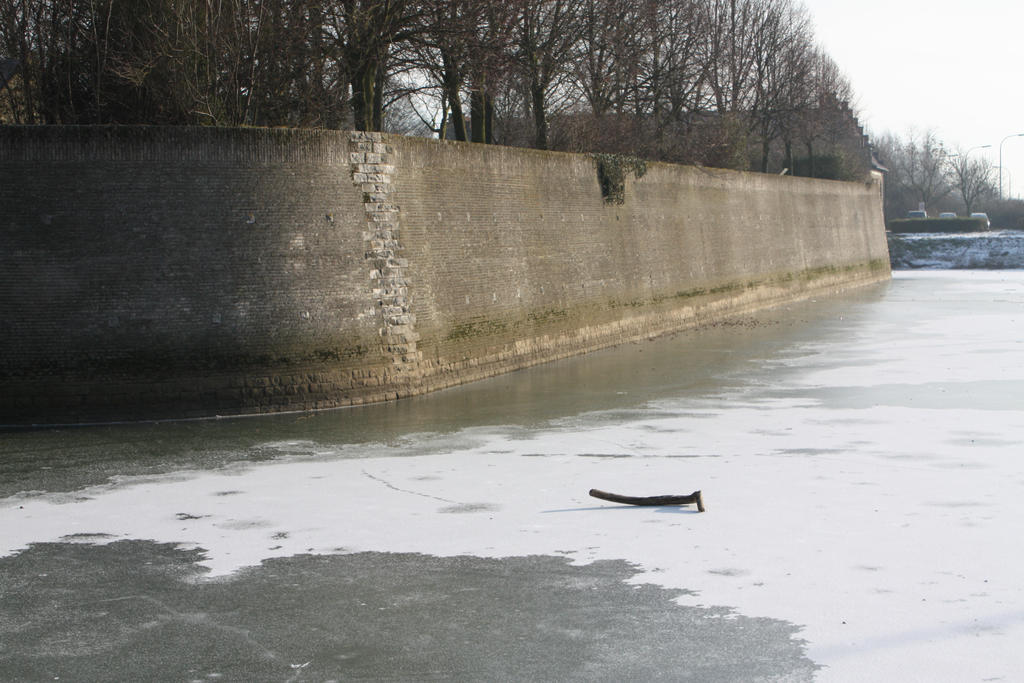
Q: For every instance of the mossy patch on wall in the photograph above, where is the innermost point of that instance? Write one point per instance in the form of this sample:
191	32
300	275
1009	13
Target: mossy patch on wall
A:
547	315
475	328
611	174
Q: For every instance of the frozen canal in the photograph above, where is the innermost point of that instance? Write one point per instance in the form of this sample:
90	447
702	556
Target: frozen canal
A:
861	460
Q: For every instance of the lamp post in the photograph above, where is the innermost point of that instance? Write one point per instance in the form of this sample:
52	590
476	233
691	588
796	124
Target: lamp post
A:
1015	135
1009	184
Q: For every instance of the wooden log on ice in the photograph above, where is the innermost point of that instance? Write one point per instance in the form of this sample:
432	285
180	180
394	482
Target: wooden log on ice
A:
693	498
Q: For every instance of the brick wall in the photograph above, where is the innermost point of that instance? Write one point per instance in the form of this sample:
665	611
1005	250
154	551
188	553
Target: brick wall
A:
167	272
514	258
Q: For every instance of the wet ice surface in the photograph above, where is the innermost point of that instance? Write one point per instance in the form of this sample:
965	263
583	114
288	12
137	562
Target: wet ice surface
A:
860	460
372	617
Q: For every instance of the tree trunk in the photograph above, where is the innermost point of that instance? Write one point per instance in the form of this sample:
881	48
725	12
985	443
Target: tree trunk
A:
540	122
489	118
452	82
458	119
363	80
442	128
367	79
378	100
481	116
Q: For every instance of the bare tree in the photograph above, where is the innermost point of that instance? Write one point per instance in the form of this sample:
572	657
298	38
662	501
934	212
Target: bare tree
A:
50	40
918	167
718	81
829	91
605	79
608	60
731	50
490	65
971	177
296	76
364	31
462	47
442	48
547	36
782	59
675	73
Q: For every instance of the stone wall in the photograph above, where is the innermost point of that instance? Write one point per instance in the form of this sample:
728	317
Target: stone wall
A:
515	258
156	272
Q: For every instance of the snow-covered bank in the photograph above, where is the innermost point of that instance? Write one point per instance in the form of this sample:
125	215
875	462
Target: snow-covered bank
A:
865	484
1000	250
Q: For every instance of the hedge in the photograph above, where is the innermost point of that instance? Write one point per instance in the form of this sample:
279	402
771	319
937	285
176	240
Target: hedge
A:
938	225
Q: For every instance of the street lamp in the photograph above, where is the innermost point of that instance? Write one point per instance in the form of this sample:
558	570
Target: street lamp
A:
978	147
1015	135
1009	184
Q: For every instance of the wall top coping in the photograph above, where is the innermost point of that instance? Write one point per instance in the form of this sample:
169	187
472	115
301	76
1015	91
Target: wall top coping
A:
173	143
212	144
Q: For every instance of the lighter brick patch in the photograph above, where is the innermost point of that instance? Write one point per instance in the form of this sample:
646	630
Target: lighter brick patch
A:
373	172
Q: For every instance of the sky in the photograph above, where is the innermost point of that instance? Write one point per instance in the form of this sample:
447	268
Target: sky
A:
951	67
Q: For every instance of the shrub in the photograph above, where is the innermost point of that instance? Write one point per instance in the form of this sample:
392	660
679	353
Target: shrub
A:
937	225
